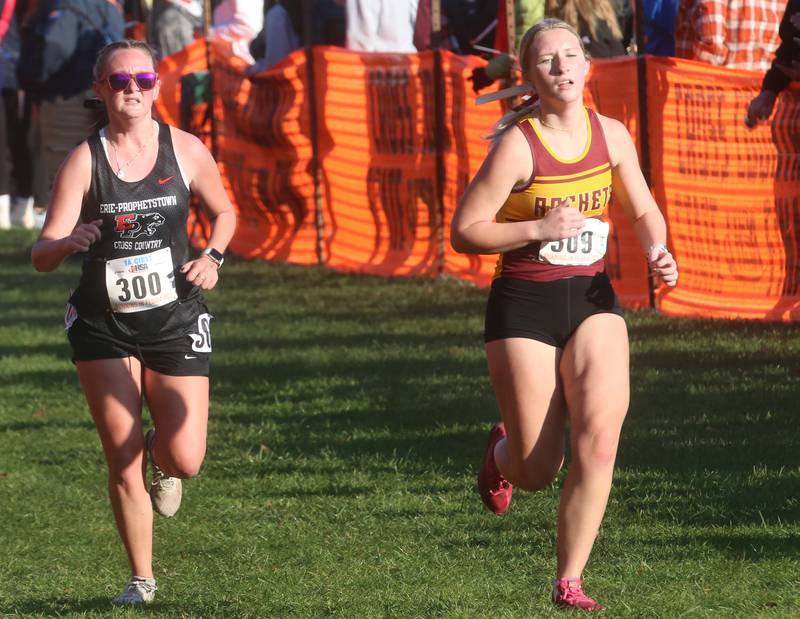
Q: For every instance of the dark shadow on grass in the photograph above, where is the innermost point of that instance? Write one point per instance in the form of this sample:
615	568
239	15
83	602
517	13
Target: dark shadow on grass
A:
20	304
751	547
651	325
401	419
330	490
735	545
20	280
350	369
46	424
363	342
56	607
53	350
365	320
669	430
60	606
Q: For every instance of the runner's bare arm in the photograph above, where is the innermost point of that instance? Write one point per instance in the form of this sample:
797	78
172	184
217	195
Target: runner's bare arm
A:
63	234
474	230
631	189
634	195
205	181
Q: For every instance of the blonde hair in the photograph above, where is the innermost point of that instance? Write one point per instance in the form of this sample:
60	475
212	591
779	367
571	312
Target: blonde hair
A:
548	23
590	10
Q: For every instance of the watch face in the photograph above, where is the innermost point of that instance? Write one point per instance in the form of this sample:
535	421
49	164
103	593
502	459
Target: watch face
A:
217	256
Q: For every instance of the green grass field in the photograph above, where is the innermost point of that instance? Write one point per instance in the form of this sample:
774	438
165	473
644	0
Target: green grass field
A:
348	418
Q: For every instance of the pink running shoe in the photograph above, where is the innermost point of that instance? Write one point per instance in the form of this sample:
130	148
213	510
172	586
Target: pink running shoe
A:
567	593
495	490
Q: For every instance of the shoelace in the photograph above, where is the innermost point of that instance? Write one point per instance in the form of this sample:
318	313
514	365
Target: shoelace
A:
141	586
137	589
504	485
159	477
161	480
572	595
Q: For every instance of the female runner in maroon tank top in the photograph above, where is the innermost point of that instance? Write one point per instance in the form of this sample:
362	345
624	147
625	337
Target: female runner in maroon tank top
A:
137	322
556	343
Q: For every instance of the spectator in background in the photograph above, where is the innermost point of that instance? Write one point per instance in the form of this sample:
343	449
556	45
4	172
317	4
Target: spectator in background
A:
470	23
281	35
174	24
18	153
381	25
284	27
465	23
785	68
137	10
423	28
28	170
526	14
330	23
238	19
66	36
605	26
742	35
659	26
6	16
239	22
136	18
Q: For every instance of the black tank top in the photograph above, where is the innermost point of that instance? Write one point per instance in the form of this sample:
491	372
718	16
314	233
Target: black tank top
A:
130	281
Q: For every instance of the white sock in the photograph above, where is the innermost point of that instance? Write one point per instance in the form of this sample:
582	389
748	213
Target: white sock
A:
5	212
22	212
148	579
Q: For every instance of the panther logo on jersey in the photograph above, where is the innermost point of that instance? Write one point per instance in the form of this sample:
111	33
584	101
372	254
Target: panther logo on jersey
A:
134	225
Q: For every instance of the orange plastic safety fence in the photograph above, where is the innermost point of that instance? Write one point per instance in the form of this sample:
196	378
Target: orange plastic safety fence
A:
264	152
378	160
467	127
612	89
730	192
171	70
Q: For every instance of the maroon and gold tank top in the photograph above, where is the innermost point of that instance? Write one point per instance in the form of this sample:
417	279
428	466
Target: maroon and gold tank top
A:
583	183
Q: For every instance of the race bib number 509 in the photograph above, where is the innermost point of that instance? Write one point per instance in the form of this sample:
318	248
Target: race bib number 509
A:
138	283
585	248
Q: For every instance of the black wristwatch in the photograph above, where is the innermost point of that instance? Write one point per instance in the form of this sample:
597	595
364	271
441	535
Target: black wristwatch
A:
216	257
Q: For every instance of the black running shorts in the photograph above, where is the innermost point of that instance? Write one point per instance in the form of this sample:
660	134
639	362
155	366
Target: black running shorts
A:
548	312
176	356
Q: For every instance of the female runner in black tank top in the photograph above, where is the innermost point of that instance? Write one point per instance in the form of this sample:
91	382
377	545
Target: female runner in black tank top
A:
137	322
146	225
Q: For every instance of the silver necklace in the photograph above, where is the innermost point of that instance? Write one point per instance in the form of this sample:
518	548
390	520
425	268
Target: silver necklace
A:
121	168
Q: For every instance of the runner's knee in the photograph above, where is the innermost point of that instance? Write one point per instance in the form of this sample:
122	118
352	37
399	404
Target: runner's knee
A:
125	476
596	448
183	463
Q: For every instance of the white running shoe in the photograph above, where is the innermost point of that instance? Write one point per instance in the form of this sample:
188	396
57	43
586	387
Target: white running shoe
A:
165	492
138	591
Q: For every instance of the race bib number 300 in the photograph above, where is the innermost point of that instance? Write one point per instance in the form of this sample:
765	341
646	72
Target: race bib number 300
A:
585	248
139	283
